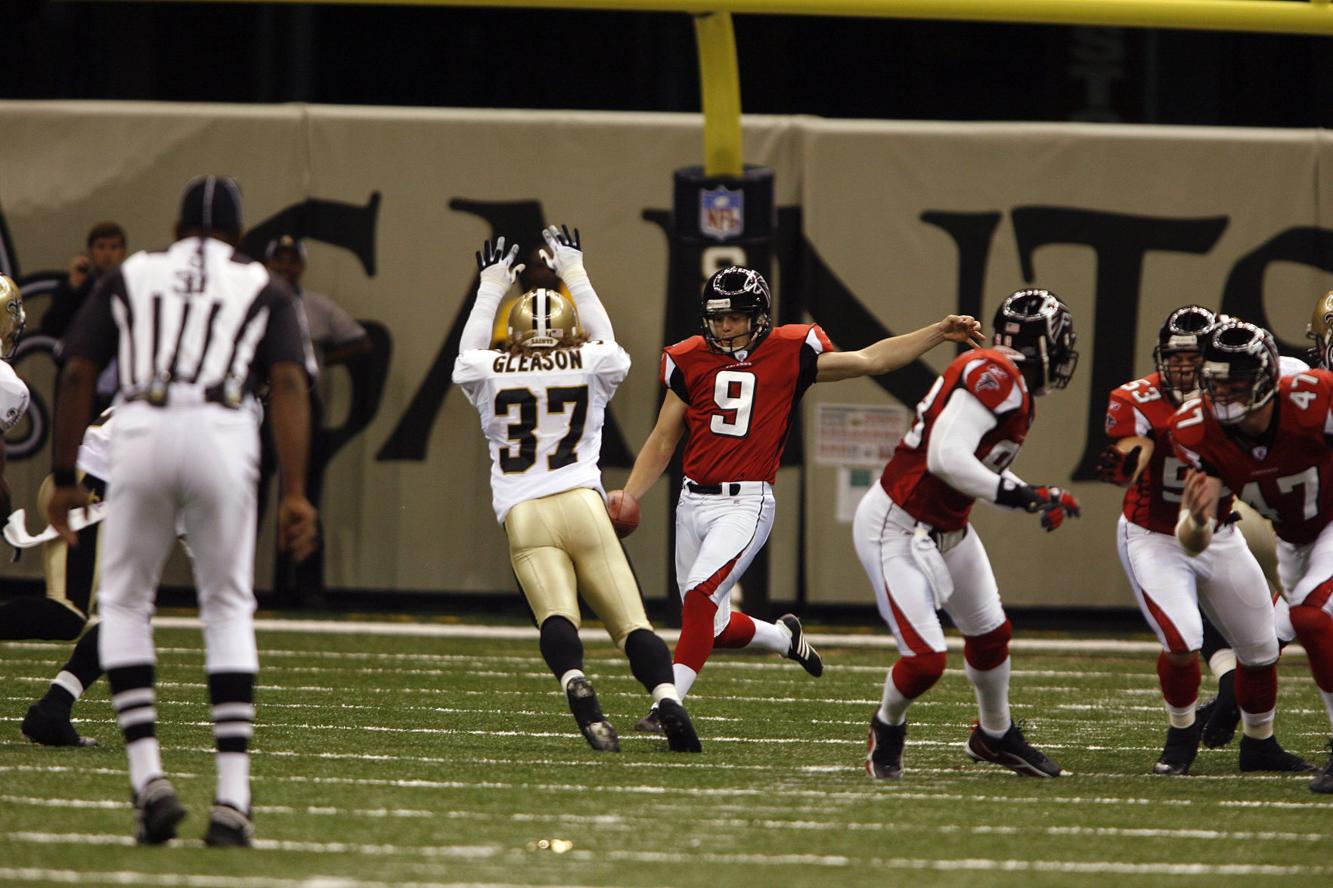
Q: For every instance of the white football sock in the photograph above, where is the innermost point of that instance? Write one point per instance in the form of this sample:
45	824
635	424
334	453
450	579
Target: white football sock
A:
145	762
234	780
893	707
1180	716
685	677
992	690
771	637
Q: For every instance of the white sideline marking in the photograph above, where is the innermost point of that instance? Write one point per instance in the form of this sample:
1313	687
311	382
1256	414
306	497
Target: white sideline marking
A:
128	877
867	640
823	860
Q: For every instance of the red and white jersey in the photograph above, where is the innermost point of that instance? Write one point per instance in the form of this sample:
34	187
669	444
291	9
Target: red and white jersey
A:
739	407
993	380
1287	476
1142	408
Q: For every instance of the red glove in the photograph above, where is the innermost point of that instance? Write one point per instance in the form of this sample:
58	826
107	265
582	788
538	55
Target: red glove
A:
1059	502
1115	466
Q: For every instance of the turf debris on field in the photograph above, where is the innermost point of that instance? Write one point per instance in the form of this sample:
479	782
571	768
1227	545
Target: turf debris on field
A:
418	761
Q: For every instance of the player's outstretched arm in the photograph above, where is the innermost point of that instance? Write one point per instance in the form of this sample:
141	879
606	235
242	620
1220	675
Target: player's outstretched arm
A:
498	272
655	455
898	351
289	403
564	256
74	404
1123	460
1198	506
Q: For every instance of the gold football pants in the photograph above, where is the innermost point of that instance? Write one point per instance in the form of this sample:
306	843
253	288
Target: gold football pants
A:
562	543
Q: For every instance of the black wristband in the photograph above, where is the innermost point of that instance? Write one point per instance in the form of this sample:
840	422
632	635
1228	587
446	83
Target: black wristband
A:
65	477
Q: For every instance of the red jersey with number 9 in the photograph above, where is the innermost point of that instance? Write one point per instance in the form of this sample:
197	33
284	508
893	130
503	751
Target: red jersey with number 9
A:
1286	476
992	379
739	407
1142	409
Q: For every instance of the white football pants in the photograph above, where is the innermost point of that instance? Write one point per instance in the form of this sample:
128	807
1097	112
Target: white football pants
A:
200	461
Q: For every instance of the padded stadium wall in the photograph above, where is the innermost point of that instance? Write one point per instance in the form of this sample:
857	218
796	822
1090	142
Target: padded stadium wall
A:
883	227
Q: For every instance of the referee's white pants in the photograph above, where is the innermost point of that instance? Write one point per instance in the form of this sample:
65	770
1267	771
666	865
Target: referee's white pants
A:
1224	580
717	538
883	535
200	462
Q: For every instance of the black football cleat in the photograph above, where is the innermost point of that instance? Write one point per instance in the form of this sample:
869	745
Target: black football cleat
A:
677	726
800	649
650	723
1182	745
50	726
229	828
157	810
601	736
1220	715
1012	752
884	749
1268	755
1323	781
588	713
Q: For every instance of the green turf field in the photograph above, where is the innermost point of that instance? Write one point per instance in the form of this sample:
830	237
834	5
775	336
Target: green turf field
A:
402	761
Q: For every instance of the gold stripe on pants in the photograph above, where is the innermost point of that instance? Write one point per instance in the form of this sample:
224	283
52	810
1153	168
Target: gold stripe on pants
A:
564	542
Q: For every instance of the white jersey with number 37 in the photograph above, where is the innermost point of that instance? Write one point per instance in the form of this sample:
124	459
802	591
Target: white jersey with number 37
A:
542	415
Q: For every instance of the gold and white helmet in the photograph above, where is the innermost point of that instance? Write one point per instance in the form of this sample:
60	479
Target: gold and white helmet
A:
543	319
1321	331
12	317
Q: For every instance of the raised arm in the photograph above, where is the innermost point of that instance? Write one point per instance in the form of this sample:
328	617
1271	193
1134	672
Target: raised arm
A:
897	351
497	275
564	256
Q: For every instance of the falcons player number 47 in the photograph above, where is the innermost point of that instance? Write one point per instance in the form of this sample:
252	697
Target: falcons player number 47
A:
1266	436
1170	585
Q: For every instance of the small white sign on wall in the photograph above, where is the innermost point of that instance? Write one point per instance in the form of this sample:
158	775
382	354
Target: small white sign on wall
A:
858	439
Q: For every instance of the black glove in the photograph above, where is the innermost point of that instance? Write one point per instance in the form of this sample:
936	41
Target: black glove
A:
1115	466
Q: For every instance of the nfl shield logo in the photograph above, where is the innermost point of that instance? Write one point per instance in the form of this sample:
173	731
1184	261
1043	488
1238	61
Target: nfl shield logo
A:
721	212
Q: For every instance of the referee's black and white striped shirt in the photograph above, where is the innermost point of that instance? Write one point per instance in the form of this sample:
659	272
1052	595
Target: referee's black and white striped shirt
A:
198	317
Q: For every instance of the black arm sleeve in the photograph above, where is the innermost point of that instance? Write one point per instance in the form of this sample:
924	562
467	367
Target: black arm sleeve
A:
285	335
93	333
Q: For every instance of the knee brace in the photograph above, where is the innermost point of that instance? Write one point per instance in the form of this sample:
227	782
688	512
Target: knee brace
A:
985	652
915	675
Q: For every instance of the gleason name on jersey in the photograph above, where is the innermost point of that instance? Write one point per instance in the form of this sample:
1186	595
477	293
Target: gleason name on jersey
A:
558	359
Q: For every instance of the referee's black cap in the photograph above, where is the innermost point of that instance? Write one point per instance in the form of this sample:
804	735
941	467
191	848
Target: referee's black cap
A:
211	203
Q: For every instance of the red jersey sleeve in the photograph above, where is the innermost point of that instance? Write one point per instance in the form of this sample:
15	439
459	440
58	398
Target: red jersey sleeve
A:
992	384
1123	419
1188	436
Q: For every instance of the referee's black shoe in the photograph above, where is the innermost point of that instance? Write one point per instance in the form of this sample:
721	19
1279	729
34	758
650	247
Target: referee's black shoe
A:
229	827
49	725
157	810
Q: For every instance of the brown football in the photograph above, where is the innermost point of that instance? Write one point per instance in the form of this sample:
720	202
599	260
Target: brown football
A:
624	512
